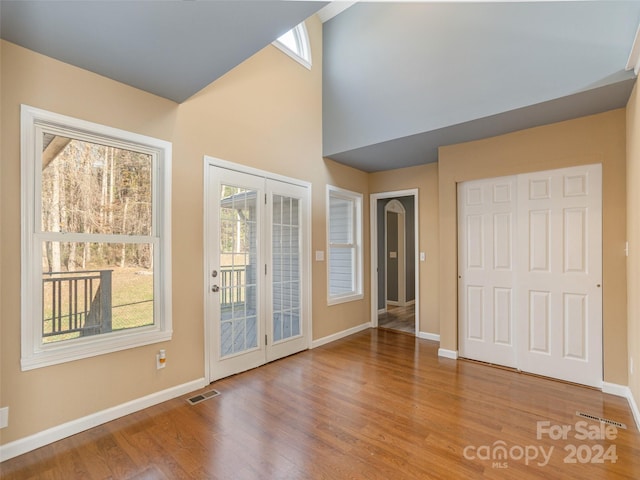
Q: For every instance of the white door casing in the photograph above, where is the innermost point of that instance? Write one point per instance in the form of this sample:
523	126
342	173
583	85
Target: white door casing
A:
542	315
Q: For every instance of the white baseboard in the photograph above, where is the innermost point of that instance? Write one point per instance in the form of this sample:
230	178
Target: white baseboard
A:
615	389
634	409
452	354
429	336
27	444
337	336
623	391
382	310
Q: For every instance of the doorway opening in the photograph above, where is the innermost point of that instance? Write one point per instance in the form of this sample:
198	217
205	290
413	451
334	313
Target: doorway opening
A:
394	261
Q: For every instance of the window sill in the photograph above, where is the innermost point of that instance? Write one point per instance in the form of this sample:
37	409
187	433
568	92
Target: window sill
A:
48	355
344	299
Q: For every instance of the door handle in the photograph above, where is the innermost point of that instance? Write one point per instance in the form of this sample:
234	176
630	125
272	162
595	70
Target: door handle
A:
215	288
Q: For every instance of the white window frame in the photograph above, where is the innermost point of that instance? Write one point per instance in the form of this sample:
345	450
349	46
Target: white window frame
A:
303	55
356	245
35	353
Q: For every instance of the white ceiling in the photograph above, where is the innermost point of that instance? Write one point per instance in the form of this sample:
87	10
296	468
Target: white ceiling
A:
399	79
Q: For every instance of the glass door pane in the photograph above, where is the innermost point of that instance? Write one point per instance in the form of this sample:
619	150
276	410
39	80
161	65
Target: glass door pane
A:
286	267
238	270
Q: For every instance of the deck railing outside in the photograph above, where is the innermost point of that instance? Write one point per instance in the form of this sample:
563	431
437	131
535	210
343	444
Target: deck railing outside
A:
232	284
76	302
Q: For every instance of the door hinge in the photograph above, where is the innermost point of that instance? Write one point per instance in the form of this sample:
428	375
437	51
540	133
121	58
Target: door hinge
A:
265	198
265	340
265	268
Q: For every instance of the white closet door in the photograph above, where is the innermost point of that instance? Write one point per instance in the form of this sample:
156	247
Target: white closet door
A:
560	274
530	272
486	233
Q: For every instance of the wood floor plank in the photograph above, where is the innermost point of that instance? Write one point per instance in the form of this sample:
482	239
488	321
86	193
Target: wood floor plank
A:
376	405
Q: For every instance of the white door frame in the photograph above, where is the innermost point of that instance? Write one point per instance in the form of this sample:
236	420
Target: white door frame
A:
305	262
373	203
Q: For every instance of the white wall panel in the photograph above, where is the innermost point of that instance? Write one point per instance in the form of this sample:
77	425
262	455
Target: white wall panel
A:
539	243
575	185
502	315
539	310
502	241
475	242
575	240
575	326
475	307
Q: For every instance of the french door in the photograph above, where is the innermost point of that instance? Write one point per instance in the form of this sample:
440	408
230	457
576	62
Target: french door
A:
257	307
530	272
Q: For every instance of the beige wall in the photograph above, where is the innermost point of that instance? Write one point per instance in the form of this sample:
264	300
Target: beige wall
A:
633	235
425	179
594	139
46	397
266	113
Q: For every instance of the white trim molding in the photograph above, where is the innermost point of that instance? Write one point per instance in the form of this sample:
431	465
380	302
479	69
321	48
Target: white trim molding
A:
27	444
429	336
444	353
337	336
373	227
634	56
623	391
332	9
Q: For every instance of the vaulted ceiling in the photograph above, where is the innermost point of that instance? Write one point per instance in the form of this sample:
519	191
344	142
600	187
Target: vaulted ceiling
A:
402	79
170	48
399	79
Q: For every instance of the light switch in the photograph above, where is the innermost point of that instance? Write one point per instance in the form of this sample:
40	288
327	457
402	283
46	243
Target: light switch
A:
423	256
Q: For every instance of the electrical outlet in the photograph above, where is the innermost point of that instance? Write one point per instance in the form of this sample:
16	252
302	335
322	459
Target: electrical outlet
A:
161	359
4	417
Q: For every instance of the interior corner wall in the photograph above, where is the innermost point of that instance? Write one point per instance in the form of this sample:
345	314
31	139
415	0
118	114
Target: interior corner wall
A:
424	178
587	140
633	236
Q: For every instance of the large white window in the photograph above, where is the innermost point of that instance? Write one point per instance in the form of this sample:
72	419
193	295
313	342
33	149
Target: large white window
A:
96	272
344	262
295	43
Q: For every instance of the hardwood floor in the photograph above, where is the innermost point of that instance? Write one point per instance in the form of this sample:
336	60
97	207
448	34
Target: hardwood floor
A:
376	405
402	319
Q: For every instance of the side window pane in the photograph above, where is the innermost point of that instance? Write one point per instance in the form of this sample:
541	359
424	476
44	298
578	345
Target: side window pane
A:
341	224
344	263
341	270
